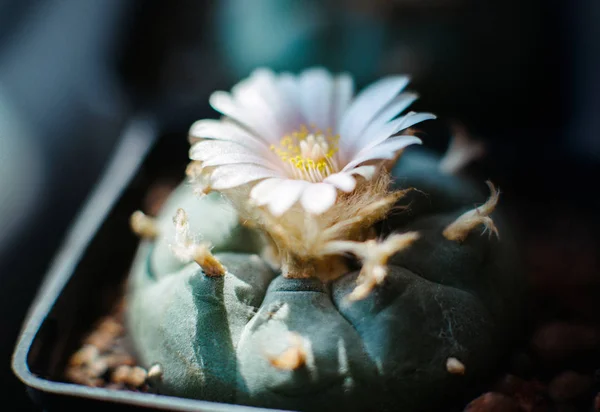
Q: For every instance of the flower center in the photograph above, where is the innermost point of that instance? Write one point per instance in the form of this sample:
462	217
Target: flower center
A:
308	155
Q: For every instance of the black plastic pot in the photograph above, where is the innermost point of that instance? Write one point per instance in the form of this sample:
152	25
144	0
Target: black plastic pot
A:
87	277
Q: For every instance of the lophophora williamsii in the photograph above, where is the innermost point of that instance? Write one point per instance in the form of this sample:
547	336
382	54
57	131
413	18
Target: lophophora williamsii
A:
316	257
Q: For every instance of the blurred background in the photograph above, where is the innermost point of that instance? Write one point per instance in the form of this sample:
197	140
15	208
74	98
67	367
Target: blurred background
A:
524	76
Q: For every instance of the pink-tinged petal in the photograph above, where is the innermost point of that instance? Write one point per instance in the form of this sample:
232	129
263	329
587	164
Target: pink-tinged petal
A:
230	176
343	181
223	130
263	191
254	120
393	109
286	193
207	149
290	90
392	128
386	150
367	104
316	96
365	171
397	105
258	94
285	110
241	158
343	89
318	197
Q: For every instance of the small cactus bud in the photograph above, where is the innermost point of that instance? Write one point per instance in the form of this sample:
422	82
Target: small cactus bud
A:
143	225
459	229
186	249
374	256
455	366
293	357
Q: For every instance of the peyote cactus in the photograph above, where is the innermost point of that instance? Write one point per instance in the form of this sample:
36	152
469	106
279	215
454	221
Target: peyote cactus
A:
299	305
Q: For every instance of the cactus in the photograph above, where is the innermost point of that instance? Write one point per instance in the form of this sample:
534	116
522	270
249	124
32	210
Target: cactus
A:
434	314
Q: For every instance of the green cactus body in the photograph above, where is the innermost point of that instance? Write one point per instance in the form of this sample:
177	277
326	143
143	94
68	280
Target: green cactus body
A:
215	337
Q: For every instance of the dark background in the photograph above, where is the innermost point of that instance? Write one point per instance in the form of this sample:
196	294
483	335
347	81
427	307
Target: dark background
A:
522	75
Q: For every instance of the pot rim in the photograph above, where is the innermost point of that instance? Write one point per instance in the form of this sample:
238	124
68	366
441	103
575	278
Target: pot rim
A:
137	139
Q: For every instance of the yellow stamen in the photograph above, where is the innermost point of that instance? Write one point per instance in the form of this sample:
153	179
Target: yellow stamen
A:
309	154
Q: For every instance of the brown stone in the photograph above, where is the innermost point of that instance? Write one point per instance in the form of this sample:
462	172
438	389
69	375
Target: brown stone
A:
82	376
111	327
121	374
114	360
569	385
97	368
492	402
84	356
531	396
137	377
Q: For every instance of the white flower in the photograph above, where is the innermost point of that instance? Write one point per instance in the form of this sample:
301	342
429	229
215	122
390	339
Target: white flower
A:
302	138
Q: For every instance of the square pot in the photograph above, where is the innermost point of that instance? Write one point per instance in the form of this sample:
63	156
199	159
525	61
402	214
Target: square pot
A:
87	274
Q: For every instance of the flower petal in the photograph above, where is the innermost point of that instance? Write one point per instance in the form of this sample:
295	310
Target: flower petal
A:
391	128
287	192
386	150
316	96
289	88
367	104
393	109
318	197
229	131
206	149
259	94
365	171
240	158
285	109
343	181
262	192
343	89
254	119
229	176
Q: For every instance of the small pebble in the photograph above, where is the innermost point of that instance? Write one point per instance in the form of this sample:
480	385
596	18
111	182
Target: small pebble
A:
121	374
82	377
137	376
155	372
111	327
114	360
132	376
492	402
100	340
105	353
568	385
84	356
98	367
105	334
455	366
